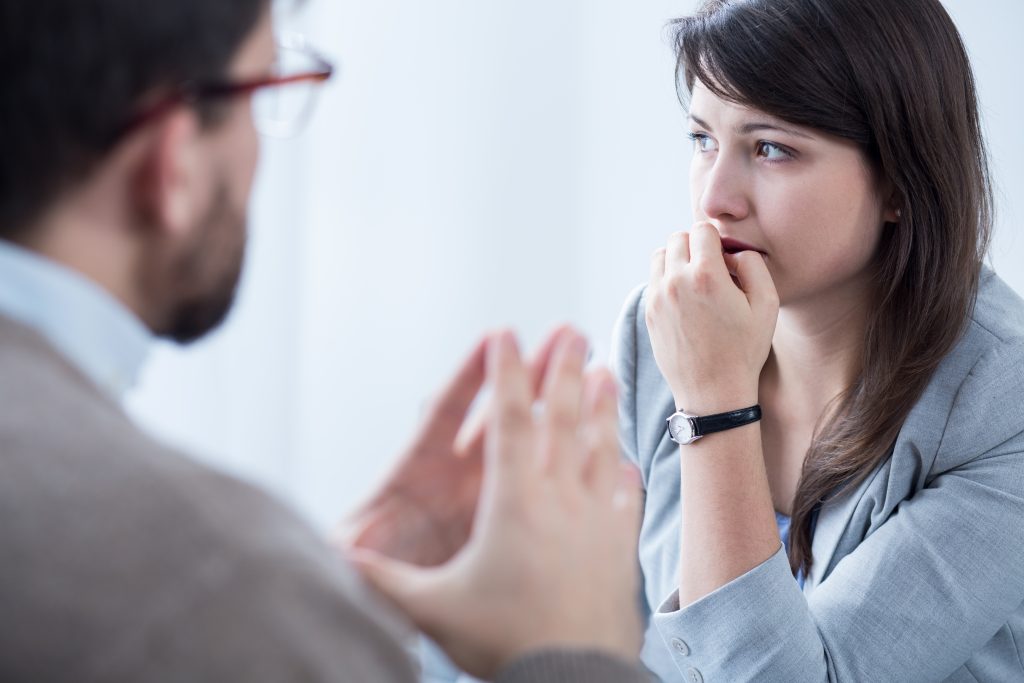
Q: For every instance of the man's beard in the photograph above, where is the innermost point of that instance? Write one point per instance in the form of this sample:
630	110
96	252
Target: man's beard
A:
206	274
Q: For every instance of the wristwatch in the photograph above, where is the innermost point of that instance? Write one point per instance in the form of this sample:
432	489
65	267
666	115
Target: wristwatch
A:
684	428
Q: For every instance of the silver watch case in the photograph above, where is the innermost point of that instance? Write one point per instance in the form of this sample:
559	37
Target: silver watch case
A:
682	428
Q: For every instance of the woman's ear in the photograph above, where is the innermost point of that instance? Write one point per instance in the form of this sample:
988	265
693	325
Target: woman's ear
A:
168	182
892	210
892	215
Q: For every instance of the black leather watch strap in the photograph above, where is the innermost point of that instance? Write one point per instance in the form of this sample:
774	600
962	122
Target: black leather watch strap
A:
723	421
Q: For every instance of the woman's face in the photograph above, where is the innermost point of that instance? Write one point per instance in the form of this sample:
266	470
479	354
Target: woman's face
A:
810	202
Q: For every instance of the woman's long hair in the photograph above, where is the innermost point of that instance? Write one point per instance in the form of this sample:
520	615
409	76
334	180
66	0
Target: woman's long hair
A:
895	78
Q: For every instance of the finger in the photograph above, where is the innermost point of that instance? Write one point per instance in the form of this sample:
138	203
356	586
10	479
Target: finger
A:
601	432
628	503
470	442
408	587
706	249
562	399
657	266
447	413
730	264
350	533
629	488
509	442
542	359
677	253
756	282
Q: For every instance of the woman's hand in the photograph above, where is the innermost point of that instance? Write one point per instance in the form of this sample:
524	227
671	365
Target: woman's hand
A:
711	317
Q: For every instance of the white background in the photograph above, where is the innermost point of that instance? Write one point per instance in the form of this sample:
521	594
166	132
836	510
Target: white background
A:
477	164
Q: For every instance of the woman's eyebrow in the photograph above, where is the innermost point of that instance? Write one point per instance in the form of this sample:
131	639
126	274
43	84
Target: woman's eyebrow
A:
700	122
753	127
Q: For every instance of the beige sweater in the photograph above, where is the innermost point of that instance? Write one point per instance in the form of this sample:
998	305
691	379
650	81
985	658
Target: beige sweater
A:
122	560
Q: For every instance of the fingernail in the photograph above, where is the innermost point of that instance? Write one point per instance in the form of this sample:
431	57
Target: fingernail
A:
507	341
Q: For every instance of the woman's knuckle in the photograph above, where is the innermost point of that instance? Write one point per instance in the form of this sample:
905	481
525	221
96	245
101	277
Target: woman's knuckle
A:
702	279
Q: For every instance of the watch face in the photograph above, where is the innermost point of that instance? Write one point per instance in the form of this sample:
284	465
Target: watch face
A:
680	429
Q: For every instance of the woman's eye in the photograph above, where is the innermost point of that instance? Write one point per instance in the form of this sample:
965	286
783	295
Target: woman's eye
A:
773	152
703	142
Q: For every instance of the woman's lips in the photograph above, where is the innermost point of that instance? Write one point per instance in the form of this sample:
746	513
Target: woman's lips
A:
734	246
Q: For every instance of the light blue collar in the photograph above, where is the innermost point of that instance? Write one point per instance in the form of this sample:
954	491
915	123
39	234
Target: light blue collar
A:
94	331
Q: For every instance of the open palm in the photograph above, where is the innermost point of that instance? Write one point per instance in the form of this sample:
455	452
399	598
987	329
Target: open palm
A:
423	513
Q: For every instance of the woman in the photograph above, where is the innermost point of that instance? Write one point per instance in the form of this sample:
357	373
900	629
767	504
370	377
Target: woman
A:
834	279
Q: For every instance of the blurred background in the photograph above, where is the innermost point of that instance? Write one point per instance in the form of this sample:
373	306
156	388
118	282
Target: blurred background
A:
476	164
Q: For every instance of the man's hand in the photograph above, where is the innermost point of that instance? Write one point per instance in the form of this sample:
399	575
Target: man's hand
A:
551	560
424	511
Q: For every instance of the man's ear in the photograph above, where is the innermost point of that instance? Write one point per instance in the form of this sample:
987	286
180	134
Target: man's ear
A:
168	180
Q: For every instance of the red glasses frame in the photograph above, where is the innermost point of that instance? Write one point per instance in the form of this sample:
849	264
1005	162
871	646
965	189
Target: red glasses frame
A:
190	94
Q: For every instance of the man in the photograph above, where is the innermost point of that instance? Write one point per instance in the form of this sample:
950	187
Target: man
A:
130	150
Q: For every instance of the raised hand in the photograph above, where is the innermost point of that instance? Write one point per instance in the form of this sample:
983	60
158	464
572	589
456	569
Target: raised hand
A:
424	510
551	561
711	317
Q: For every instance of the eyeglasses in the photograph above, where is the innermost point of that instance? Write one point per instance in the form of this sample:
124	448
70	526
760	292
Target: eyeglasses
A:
281	101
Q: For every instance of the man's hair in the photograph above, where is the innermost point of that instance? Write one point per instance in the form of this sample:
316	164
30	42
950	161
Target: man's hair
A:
75	72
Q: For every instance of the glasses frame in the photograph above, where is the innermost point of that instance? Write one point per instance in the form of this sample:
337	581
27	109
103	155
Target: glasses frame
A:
190	94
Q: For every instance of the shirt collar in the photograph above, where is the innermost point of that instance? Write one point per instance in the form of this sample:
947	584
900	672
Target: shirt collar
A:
97	333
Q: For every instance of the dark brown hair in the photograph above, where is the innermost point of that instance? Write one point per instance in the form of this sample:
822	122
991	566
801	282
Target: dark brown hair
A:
895	78
76	71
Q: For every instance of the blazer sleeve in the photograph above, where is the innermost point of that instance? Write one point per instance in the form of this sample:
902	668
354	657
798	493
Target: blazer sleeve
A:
922	593
572	666
624	366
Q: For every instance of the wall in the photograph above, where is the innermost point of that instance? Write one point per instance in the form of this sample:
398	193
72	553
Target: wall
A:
476	164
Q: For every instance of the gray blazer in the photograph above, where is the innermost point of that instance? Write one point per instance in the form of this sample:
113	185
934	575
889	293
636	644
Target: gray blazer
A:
121	560
918	573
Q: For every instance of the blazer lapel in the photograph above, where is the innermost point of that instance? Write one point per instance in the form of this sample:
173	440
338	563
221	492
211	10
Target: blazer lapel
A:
833	520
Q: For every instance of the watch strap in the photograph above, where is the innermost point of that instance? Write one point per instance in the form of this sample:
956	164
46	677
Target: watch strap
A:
722	421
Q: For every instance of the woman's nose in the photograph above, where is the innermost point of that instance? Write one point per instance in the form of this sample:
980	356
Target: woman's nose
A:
722	191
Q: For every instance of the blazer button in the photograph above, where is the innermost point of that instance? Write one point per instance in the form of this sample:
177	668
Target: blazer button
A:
695	676
680	647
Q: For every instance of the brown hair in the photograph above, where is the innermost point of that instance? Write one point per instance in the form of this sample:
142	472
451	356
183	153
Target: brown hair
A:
77	71
895	78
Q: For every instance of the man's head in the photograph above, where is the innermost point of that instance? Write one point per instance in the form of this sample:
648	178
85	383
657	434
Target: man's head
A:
113	166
